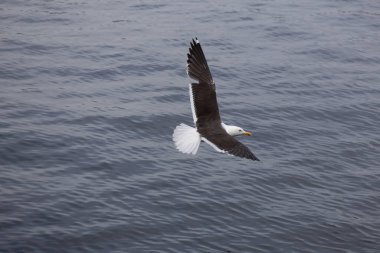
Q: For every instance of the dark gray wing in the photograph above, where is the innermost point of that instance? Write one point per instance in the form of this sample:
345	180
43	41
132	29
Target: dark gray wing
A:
197	67
203	94
220	139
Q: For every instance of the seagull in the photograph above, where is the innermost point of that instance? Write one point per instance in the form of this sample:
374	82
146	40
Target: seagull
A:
204	107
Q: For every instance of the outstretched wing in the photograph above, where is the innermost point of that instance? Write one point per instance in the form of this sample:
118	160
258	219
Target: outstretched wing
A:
197	67
223	142
203	100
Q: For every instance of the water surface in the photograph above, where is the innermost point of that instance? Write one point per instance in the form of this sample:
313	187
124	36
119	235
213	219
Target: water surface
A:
92	90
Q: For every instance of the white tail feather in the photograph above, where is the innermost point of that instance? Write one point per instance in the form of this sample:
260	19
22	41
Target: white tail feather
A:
186	139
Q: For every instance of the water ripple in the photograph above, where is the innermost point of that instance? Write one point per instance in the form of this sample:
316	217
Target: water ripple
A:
91	93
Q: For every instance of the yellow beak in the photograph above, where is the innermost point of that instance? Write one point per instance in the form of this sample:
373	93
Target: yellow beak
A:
247	133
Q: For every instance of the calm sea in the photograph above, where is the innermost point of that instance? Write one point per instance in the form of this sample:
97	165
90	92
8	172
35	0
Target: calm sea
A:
92	90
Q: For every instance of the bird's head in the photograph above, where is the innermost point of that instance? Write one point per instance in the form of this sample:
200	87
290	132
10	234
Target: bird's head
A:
235	130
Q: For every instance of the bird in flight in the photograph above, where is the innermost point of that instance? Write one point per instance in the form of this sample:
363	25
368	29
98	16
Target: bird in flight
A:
204	106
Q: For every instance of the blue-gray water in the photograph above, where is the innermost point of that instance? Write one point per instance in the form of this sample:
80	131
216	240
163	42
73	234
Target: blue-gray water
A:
92	90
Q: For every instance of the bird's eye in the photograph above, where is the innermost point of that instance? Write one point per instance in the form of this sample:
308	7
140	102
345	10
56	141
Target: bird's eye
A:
240	130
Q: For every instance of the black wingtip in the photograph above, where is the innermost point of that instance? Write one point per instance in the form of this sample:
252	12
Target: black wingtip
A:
197	67
254	158
194	41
